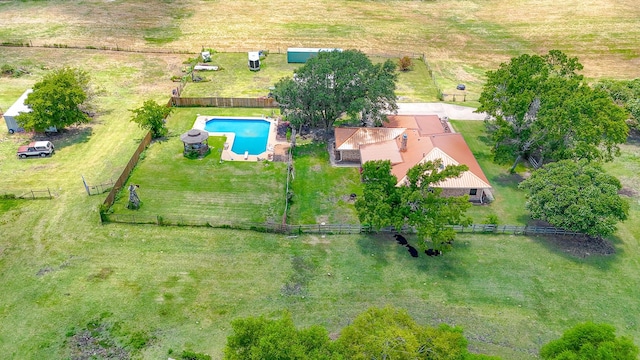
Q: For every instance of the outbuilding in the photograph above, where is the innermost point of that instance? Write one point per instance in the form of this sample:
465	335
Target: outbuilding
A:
301	55
16	109
254	60
195	142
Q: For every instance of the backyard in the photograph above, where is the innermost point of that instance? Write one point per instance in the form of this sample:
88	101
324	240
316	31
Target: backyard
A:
205	190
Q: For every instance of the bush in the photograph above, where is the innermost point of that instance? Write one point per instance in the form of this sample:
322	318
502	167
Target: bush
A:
192	355
7	69
491	219
405	63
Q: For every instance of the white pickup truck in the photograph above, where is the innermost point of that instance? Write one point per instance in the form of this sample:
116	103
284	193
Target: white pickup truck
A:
36	148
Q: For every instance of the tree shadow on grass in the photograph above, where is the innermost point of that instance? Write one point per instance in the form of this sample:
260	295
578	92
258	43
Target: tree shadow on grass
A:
68	136
595	251
447	266
315	149
377	247
381	247
508	180
486	140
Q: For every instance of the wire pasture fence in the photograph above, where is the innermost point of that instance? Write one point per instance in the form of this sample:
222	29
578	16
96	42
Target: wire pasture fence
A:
324	228
30	194
97	189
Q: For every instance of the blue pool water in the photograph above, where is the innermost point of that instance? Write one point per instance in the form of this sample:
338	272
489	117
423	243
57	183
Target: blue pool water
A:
251	135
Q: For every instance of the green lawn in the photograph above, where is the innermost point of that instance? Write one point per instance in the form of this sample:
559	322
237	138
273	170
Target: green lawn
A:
416	84
174	187
234	79
509	201
321	191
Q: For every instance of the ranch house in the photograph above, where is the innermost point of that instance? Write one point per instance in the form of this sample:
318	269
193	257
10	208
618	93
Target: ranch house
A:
407	140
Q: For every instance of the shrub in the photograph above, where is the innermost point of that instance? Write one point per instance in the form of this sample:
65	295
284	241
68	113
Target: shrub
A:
491	219
7	69
405	63
192	355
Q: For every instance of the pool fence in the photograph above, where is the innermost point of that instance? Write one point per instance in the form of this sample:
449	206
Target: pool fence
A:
260	102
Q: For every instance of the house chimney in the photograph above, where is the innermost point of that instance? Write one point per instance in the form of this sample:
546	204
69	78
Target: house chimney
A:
403	142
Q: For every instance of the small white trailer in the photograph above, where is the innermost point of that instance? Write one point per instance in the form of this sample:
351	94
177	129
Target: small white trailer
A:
15	110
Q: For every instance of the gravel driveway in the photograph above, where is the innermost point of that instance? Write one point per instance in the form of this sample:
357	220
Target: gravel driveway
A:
454	112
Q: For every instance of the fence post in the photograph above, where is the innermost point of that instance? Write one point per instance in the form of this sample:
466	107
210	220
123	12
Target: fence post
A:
50	197
85	185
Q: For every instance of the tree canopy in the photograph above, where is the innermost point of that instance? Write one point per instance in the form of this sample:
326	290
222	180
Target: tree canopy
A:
541	110
257	338
577	196
417	203
335	83
388	333
378	333
58	100
151	116
625	93
590	341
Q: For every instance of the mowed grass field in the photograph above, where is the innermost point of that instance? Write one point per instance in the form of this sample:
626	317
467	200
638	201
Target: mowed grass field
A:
180	287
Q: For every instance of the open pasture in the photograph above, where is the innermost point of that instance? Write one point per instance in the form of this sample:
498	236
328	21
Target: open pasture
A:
461	39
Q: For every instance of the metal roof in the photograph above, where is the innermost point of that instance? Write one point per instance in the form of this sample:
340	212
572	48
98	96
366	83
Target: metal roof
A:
19	106
453	144
353	138
427	139
386	150
466	180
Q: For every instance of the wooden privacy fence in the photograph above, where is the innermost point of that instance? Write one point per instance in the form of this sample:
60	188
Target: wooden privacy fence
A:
26	194
224	102
108	202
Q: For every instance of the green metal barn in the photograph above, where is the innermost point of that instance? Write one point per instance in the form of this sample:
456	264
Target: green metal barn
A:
301	55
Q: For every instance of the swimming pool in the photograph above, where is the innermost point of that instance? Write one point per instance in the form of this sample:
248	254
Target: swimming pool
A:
251	134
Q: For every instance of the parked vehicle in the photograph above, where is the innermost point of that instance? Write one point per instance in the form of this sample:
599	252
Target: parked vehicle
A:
36	148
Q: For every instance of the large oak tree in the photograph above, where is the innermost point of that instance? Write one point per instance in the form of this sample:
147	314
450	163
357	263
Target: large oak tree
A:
541	110
335	83
577	196
418	203
625	93
58	100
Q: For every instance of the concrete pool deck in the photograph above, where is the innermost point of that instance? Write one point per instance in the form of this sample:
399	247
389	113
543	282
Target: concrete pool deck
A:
227	154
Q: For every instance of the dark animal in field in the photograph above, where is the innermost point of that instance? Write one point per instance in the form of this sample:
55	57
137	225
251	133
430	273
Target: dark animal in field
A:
400	239
433	252
413	251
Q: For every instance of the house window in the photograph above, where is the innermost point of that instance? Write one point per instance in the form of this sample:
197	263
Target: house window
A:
473	191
